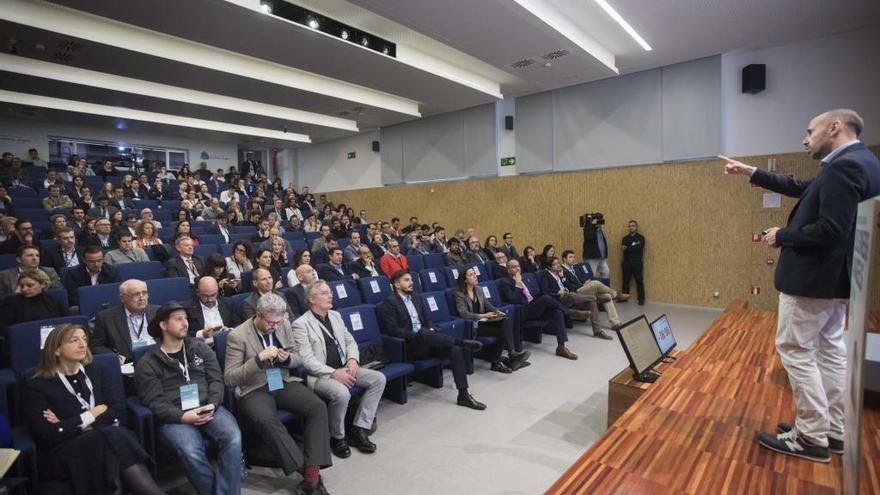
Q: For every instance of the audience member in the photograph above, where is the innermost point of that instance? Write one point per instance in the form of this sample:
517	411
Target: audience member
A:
30	302
55	201
331	358
263	259
102	237
537	306
92	271
23	235
508	247
240	260
258	364
363	265
185	264
529	260
122	329
350	253
596	290
454	256
263	284
393	261
402	316
180	381
27	256
335	269
64	253
215	266
487	320
146	235
209	311
74	411
126	252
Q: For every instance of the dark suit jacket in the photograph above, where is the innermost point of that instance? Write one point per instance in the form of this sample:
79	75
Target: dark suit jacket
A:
591	243
175	267
377	252
214	229
78	276
550	287
111	331
126	202
296	299
510	252
394	318
197	318
320	256
329	274
94	240
55	258
817	243
357	267
510	293
96	211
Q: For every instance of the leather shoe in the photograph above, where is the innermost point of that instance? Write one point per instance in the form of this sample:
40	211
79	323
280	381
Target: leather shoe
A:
472	345
357	438
467	400
600	334
314	488
501	368
622	297
339	447
616	326
563	351
579	314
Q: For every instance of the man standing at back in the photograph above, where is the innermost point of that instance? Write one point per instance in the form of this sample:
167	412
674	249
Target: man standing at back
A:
813	277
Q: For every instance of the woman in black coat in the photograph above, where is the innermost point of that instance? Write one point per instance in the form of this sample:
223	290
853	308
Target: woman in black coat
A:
74	410
32	302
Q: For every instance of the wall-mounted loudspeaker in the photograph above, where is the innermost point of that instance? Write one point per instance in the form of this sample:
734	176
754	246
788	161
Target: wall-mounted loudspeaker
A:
508	122
376	146
754	78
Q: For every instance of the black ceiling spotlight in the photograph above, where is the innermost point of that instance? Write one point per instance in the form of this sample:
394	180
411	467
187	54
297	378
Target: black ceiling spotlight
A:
317	22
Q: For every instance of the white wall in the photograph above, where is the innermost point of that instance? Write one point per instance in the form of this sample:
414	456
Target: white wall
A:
325	167
803	79
18	136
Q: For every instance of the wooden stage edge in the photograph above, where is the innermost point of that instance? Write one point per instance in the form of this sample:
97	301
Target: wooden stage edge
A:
693	431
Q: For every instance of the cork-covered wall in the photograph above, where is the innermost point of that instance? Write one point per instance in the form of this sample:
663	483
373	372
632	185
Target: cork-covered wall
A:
698	222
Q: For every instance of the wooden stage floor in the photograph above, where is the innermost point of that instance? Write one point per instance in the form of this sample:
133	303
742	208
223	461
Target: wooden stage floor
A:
694	430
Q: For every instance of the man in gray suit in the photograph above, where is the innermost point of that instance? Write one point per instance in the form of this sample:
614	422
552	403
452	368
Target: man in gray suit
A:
122	329
330	355
27	256
126	252
258	364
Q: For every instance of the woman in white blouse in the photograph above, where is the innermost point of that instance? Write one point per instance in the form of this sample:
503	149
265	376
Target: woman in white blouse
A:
240	261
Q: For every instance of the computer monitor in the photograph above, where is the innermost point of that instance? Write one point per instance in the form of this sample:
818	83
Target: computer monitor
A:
640	347
663	334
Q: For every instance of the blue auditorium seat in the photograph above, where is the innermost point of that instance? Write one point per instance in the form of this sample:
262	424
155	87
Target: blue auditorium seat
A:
142	270
24	340
434	260
345	294
433	279
94	298
169	289
415	262
374	289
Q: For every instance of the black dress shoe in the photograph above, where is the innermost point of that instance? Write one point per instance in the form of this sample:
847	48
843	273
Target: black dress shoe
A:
501	368
314	488
518	360
357	438
472	345
467	400
340	448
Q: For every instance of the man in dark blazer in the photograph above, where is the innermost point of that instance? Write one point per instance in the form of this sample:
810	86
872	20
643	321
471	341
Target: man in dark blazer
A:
65	253
262	285
363	265
185	264
296	295
321	254
121	329
813	279
92	271
209	312
120	201
536	306
555	284
402	316
335	269
104	208
508	247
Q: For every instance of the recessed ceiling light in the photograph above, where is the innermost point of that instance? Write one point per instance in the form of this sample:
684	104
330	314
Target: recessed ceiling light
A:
385	50
625	25
266	8
344	34
313	23
365	41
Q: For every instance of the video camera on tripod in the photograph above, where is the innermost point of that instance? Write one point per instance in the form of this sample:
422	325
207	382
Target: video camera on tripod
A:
592	219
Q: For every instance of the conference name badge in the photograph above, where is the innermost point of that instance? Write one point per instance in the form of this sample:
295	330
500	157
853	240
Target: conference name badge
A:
273	378
189	396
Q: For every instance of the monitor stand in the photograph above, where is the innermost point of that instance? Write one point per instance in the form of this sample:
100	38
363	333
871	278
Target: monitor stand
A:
646	377
669	359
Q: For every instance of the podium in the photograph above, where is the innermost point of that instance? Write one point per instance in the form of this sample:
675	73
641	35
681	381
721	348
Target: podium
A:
623	390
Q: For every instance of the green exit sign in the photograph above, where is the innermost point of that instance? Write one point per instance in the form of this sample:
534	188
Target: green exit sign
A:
508	161
352	155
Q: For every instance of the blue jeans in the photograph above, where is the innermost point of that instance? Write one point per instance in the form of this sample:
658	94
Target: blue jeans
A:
190	447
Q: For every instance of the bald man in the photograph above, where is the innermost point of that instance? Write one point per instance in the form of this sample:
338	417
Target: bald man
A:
297	295
813	278
209	312
122	329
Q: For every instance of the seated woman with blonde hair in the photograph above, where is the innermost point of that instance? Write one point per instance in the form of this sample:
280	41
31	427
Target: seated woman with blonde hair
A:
74	411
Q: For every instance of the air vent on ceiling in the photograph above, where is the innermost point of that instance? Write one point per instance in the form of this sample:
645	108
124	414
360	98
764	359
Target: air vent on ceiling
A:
69	46
63	57
555	54
522	64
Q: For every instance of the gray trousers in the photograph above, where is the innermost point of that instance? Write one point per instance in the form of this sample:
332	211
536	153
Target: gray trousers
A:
337	396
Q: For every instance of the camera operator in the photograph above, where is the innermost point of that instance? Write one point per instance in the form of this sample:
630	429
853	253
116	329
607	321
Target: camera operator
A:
595	245
633	245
